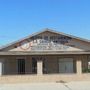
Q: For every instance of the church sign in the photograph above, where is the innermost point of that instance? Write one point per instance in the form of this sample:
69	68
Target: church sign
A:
38	42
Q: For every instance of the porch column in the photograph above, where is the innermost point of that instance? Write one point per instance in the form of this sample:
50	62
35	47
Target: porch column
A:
79	65
39	67
1	67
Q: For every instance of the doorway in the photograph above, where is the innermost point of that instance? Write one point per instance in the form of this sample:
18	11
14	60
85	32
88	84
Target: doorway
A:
34	65
66	65
21	66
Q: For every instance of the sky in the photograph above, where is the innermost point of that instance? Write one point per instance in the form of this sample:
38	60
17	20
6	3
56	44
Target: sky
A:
20	18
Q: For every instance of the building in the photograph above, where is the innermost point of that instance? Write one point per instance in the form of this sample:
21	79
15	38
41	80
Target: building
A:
47	56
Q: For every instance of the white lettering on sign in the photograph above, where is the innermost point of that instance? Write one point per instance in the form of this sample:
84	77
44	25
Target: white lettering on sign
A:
46	43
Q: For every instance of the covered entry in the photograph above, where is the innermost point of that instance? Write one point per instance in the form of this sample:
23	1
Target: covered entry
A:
66	65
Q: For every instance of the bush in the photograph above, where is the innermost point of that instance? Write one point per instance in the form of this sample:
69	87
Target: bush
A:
86	71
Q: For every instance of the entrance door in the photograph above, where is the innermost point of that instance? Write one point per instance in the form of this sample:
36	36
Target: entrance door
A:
21	66
66	65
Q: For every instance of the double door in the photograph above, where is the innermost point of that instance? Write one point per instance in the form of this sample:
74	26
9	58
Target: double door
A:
66	65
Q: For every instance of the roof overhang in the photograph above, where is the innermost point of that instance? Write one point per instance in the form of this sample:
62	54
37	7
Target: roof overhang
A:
45	53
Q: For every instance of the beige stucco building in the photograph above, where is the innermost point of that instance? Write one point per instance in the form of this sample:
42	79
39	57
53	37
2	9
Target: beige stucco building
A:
46	56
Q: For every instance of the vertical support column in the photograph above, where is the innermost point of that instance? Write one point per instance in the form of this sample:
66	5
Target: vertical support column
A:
1	67
39	67
79	65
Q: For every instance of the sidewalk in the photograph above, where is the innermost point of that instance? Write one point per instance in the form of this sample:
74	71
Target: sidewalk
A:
47	86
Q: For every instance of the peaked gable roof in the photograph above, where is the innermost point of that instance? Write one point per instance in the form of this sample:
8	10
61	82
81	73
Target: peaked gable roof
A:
45	30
